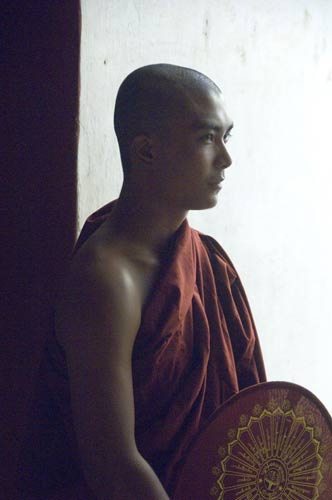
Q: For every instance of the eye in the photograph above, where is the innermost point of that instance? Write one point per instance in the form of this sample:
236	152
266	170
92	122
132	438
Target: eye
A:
208	138
227	136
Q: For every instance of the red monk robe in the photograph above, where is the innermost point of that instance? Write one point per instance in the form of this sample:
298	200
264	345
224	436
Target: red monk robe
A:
197	346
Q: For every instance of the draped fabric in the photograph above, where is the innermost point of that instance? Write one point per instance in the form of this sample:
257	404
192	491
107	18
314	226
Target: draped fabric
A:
197	346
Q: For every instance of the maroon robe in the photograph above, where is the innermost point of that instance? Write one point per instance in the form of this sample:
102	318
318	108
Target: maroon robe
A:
197	346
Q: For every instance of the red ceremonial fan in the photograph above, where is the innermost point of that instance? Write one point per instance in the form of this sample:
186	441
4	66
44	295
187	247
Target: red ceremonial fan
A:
272	441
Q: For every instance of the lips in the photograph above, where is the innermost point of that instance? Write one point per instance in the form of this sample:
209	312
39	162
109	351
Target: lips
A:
216	182
215	186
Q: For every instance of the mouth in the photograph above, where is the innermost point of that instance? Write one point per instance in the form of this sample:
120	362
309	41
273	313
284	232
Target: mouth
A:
217	182
215	186
218	178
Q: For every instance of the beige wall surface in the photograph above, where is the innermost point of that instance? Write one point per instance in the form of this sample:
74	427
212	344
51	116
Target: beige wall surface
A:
273	61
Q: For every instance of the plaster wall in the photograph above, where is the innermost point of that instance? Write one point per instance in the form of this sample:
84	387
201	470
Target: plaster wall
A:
273	61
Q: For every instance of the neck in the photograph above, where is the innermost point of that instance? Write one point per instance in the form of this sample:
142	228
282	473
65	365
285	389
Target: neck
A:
144	220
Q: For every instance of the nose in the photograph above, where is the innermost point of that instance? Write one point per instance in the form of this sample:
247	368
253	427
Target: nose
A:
223	159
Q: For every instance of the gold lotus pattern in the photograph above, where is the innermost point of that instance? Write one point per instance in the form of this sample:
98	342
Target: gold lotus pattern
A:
275	456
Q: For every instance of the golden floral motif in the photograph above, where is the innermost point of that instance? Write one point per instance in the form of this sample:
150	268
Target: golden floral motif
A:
257	410
325	468
276	456
231	433
323	449
243	420
299	410
286	405
272	405
222	451
318	432
214	491
216	470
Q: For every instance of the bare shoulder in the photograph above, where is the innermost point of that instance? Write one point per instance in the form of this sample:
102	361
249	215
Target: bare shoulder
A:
97	321
98	289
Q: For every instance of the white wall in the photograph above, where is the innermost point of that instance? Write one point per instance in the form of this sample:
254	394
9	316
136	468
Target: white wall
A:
273	59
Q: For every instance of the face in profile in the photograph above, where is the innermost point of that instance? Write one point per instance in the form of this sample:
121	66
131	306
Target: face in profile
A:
193	156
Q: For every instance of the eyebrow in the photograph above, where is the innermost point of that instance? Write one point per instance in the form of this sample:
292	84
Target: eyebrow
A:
203	125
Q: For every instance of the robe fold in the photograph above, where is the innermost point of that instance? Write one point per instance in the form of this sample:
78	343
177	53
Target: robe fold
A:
197	345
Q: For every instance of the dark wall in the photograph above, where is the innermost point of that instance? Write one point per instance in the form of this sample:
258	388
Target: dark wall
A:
39	91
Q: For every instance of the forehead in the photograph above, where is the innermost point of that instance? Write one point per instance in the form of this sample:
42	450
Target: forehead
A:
208	111
200	110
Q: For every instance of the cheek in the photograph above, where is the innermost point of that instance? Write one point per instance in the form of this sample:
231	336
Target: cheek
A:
203	159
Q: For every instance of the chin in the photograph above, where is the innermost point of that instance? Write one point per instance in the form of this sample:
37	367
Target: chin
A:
205	204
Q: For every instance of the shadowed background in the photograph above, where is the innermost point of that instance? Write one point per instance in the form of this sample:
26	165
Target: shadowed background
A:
39	102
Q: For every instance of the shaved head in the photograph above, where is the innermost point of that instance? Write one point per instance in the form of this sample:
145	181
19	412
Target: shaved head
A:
150	96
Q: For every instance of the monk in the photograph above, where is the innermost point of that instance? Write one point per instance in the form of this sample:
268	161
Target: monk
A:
153	331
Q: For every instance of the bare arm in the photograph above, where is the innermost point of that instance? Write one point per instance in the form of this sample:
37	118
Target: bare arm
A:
97	324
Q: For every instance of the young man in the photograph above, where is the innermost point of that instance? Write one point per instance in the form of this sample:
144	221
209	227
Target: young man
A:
154	330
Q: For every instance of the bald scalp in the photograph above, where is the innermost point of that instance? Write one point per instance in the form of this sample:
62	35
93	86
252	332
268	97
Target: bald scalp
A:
150	96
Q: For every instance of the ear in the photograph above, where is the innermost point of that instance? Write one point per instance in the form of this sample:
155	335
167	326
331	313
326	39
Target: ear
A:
142	150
